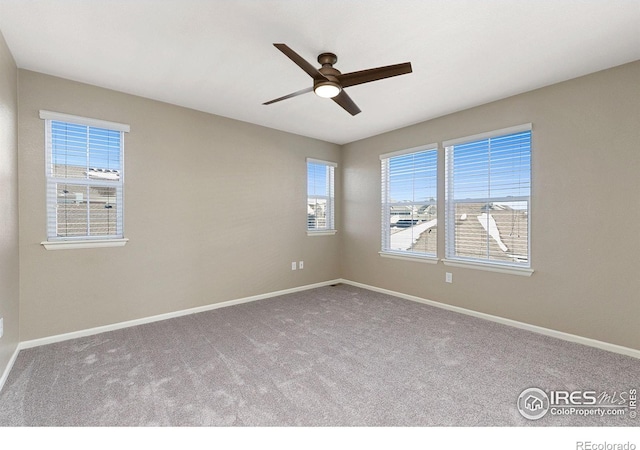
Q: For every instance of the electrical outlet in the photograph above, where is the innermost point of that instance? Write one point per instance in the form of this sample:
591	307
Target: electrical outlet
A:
449	277
1	326
293	265
301	265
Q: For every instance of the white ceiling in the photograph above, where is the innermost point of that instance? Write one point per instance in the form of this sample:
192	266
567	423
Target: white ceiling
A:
217	56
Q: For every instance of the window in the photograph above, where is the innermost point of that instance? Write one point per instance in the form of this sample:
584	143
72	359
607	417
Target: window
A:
488	184
409	202
85	177
320	197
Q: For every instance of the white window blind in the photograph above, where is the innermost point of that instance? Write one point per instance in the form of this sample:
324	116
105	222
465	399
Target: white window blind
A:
488	184
409	202
320	195
85	178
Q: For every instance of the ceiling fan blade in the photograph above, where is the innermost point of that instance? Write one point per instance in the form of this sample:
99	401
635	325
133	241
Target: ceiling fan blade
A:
345	101
295	94
300	61
379	73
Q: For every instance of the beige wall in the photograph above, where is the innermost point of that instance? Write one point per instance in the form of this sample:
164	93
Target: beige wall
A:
585	210
215	209
9	276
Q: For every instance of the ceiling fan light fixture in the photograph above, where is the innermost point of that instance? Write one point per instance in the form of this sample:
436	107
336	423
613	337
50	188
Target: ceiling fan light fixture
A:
327	89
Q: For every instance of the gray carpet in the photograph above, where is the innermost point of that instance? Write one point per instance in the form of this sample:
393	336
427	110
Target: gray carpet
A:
333	356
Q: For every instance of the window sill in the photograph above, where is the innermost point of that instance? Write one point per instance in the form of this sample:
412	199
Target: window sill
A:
417	258
522	271
321	233
98	243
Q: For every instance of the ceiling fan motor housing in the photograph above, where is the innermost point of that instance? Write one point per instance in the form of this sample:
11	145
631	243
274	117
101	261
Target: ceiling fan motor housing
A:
329	86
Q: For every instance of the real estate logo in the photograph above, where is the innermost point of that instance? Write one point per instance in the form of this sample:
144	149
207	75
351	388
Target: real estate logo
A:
533	403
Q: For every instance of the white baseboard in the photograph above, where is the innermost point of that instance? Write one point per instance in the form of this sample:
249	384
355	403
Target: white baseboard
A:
184	312
513	323
7	369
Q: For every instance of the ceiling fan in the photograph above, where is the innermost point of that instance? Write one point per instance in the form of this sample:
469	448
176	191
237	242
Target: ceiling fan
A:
328	82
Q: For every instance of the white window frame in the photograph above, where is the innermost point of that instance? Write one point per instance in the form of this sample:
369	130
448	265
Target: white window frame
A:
53	241
477	263
386	205
329	197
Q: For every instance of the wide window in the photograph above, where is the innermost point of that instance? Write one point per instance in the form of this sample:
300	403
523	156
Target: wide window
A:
409	202
320	196
488	208
85	178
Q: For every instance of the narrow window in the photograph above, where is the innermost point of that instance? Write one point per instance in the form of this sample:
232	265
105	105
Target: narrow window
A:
320	196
